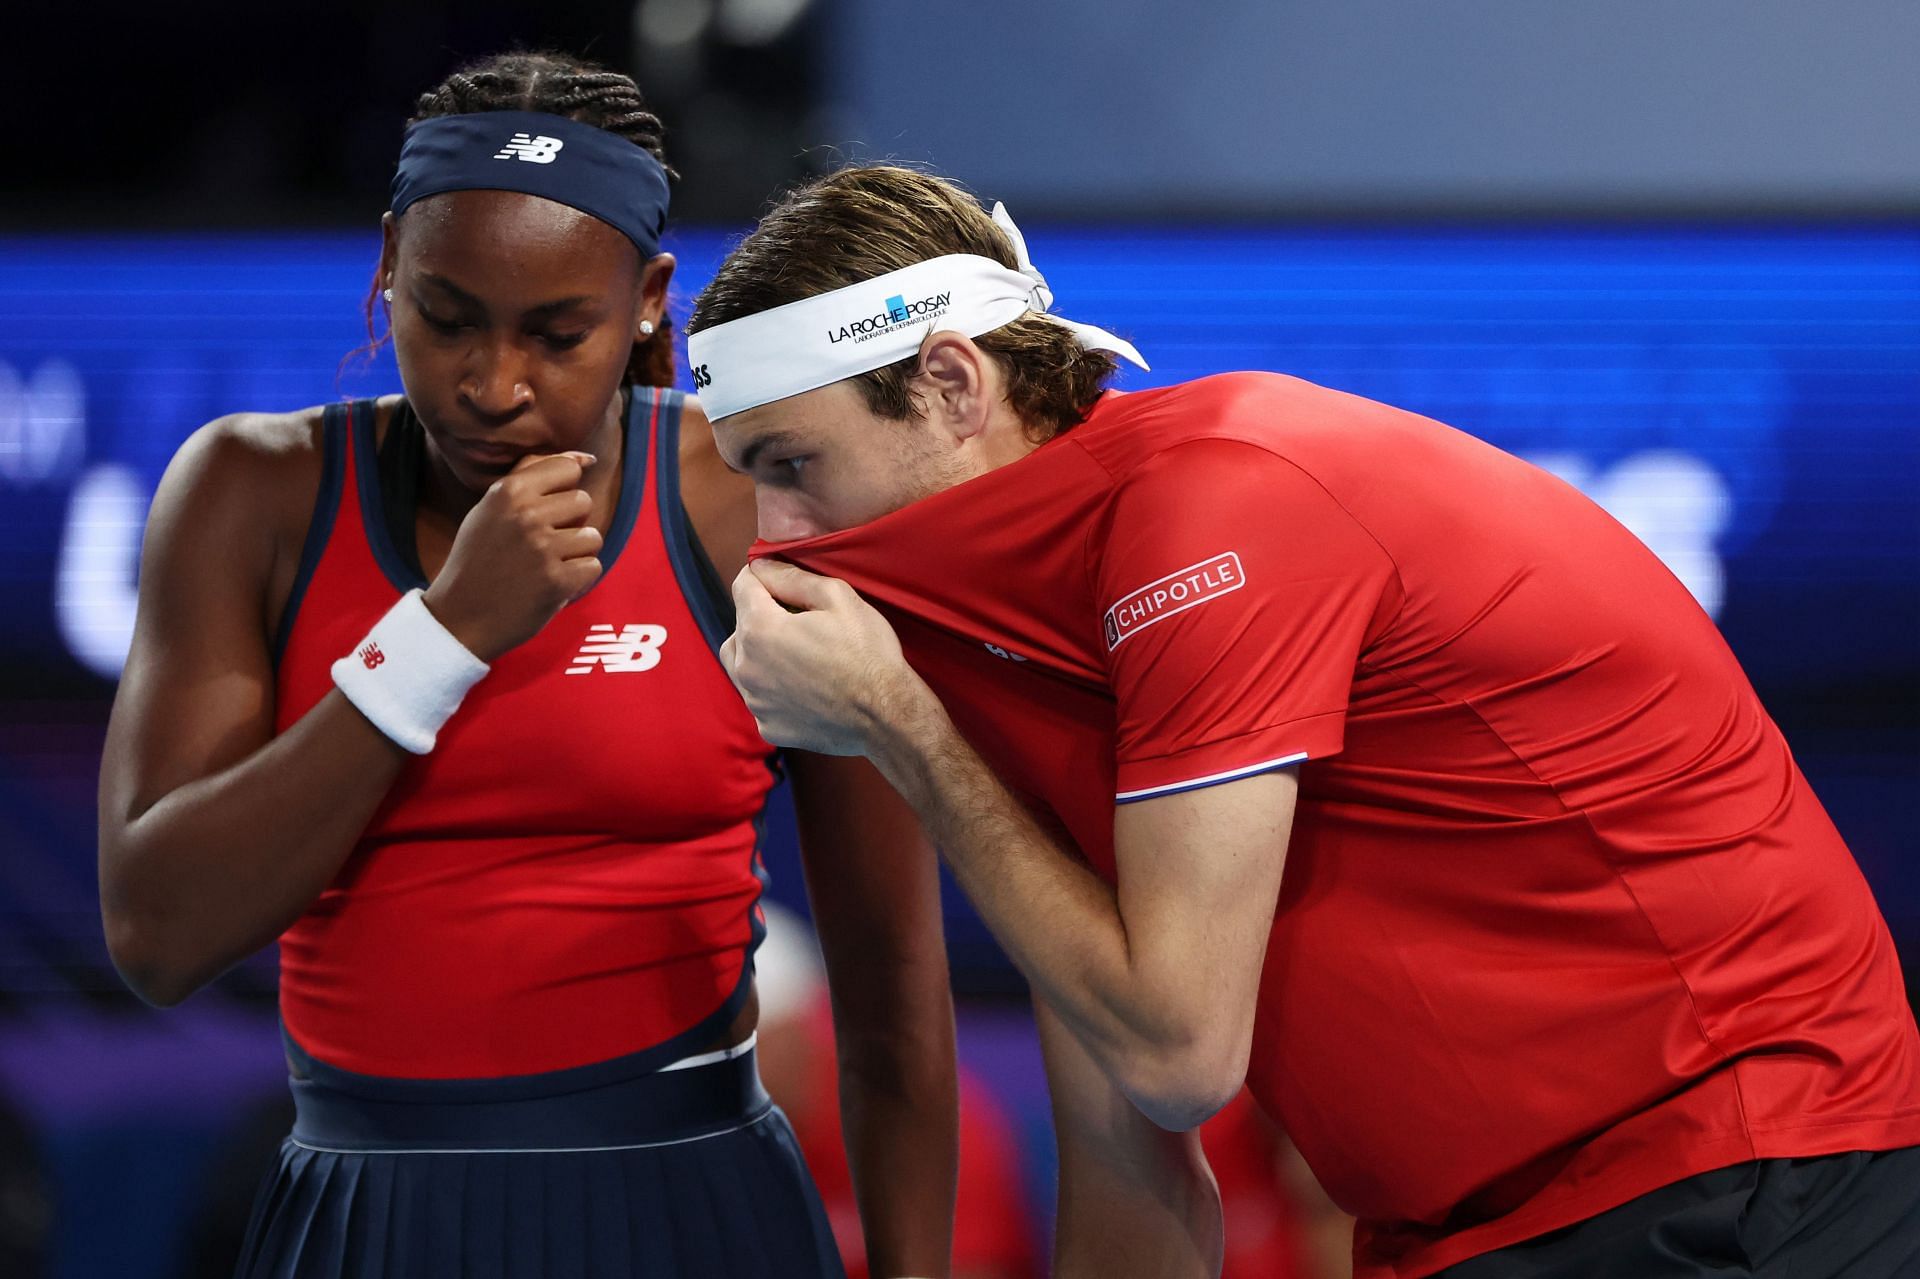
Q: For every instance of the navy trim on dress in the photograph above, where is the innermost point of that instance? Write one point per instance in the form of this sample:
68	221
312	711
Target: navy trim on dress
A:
373	512
700	584
756	922
643	417
333	466
660	1108
695	1039
403	451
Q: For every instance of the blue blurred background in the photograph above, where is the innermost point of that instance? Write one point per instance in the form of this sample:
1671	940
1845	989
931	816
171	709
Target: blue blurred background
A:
1670	253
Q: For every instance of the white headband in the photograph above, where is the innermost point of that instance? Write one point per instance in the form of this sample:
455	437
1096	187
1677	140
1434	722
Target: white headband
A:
758	359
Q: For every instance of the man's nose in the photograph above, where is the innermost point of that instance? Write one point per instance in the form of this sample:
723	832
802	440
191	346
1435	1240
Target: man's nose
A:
782	519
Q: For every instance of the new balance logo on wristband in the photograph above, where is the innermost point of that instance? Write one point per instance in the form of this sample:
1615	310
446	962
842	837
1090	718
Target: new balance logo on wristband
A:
533	148
371	656
635	647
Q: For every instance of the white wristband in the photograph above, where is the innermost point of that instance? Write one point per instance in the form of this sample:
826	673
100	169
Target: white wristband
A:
409	674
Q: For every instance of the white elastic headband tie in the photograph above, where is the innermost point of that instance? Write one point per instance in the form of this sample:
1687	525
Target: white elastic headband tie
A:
758	359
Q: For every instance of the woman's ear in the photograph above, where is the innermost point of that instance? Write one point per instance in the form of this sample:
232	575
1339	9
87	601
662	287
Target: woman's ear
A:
389	249
655	275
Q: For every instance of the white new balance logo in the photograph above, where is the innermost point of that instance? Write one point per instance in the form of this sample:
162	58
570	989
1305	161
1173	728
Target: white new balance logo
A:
535	149
632	648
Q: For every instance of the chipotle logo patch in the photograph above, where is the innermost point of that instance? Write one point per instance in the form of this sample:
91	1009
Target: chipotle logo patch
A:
1175	593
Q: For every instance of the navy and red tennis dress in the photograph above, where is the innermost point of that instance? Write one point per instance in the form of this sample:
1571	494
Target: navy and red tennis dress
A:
498	1012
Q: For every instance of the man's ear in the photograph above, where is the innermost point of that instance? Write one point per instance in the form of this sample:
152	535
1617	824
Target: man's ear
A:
954	383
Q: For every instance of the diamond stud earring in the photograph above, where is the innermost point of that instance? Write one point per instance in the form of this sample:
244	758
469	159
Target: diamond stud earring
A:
646	328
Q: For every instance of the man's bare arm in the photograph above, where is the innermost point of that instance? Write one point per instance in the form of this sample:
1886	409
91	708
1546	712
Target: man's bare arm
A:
1134	1198
1158	979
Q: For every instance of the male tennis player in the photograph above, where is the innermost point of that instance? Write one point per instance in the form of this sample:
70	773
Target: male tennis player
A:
1568	972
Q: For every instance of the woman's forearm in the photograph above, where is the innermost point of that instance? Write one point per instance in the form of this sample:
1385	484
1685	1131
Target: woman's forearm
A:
214	869
899	1113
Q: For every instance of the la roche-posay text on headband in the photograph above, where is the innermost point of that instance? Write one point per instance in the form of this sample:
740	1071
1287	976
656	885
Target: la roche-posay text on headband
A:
570	163
816	341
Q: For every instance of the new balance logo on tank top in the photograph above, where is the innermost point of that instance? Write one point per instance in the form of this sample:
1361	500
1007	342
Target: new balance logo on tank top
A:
1561	922
570	876
632	648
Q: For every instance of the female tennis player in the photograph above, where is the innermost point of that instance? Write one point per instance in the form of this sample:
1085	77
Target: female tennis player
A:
425	687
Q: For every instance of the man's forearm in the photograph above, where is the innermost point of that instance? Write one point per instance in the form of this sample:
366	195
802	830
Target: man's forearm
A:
1154	1216
1058	922
1133	1199
1159	976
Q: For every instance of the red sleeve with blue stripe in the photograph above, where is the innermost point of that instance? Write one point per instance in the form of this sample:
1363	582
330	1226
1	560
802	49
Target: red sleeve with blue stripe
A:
1237	595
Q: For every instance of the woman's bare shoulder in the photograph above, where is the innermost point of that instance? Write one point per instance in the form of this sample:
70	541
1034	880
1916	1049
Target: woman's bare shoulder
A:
258	460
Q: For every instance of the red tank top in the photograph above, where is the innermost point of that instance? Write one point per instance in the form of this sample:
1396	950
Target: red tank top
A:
571	875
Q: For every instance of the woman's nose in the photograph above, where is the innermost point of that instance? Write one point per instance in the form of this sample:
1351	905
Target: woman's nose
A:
495	383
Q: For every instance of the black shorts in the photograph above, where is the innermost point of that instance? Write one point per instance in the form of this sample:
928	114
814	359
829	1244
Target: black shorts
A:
1851	1216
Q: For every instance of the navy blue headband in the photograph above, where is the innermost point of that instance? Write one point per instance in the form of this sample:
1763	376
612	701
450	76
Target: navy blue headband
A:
571	163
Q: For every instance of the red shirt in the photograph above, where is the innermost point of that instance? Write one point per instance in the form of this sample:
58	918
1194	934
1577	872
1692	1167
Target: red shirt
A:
570	876
1561	920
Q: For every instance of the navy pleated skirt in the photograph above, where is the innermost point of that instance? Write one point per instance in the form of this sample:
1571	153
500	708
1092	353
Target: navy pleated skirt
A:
678	1174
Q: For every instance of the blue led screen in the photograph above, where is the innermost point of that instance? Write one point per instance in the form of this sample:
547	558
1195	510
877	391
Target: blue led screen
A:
1747	400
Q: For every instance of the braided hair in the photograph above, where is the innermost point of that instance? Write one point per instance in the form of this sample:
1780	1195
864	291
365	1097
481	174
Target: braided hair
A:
558	84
